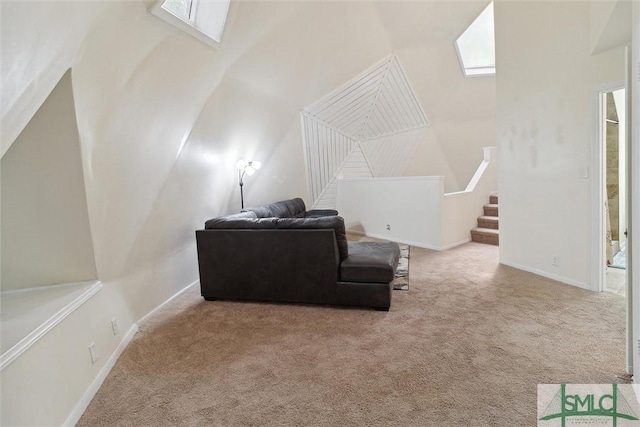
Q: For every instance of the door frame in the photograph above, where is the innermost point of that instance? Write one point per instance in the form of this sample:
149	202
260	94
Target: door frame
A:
598	225
598	271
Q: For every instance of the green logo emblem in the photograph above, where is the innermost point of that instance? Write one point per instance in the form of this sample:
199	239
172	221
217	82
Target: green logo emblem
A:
612	405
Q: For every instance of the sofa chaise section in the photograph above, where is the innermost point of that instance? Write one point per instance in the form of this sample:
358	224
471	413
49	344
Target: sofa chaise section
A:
304	259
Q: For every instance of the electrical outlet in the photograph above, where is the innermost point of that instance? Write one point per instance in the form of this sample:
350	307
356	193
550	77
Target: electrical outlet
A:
555	260
114	326
93	353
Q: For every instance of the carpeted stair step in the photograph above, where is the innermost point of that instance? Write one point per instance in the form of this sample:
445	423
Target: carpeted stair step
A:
493	199
485	235
491	209
488	222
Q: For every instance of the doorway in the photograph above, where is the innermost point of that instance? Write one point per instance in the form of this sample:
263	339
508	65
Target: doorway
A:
614	175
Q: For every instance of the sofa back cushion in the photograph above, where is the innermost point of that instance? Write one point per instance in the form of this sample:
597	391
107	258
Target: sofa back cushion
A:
334	222
240	222
296	206
292	208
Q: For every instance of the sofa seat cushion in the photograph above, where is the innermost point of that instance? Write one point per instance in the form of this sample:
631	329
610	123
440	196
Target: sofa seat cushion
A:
370	262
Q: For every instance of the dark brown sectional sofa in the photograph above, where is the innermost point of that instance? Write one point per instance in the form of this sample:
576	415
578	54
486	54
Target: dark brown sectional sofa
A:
283	253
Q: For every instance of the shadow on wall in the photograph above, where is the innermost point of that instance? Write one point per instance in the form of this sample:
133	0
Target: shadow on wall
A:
44	204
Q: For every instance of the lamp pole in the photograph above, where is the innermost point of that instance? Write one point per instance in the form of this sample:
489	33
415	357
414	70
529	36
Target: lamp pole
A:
240	176
245	167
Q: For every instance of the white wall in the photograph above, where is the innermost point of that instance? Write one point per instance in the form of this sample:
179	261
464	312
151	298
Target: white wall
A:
45	225
545	134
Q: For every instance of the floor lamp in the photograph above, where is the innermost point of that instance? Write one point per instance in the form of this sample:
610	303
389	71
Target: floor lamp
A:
249	168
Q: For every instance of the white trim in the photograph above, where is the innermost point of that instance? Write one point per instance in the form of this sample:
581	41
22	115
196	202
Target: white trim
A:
24	344
386	135
548	275
397	178
91	391
47	287
413	92
463	67
453	245
632	170
387	59
410	242
310	116
364	156
176	295
358	136
188	26
305	151
598	270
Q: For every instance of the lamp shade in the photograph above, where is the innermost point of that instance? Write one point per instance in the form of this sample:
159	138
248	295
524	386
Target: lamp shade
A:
255	164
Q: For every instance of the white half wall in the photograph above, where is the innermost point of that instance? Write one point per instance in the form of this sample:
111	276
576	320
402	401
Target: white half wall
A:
416	210
406	209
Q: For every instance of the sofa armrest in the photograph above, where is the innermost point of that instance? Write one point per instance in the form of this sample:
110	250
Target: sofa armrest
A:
314	213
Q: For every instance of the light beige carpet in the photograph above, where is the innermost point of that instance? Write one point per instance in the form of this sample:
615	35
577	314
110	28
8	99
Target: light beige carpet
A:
465	346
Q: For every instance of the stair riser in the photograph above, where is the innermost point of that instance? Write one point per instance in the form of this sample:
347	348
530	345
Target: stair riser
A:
484	238
490	211
493	200
483	223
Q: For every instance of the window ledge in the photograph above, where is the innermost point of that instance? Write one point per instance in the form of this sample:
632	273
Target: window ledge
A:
27	315
183	25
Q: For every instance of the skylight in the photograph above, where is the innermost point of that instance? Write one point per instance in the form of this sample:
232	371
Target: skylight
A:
476	46
203	19
180	8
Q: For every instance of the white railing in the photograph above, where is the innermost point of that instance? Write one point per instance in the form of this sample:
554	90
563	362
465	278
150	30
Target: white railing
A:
376	115
416	210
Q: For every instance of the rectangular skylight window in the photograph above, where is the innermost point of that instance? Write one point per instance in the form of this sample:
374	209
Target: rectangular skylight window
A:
180	8
476	46
202	19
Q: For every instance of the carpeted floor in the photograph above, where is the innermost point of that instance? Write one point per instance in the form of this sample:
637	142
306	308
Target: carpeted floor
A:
465	346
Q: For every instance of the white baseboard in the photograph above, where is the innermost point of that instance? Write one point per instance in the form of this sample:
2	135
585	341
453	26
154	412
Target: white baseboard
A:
548	275
176	295
410	242
91	391
453	245
88	395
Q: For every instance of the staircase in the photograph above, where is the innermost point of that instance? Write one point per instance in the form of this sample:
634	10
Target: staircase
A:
487	230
